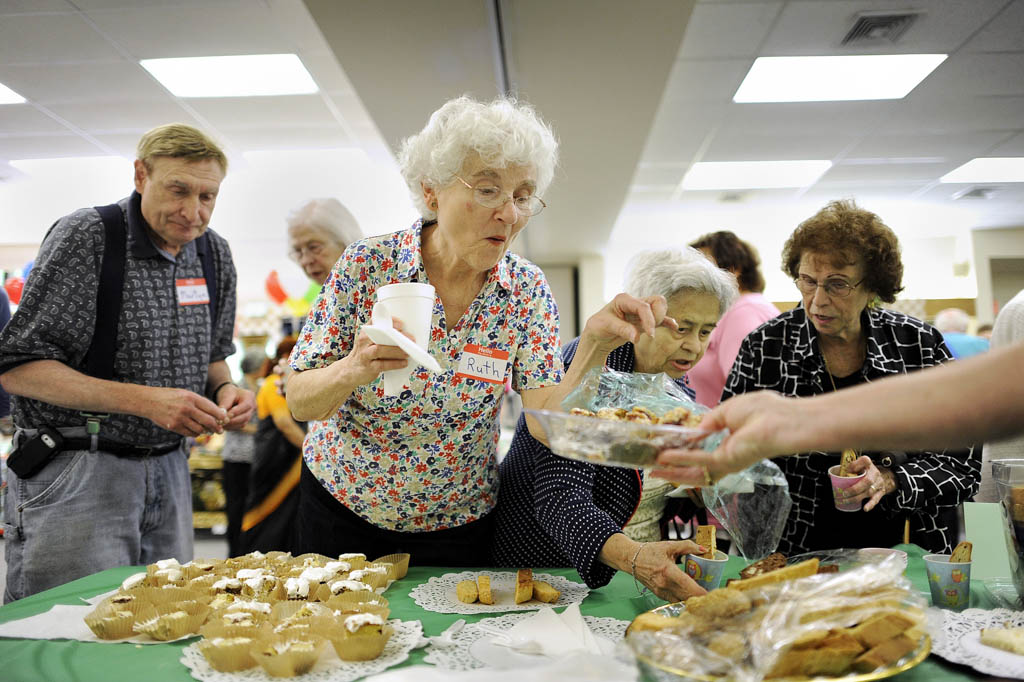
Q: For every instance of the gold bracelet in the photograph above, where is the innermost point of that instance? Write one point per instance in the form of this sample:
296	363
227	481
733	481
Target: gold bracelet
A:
642	589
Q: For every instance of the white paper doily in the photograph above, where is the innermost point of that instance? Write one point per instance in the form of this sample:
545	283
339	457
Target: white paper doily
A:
459	657
955	637
438	593
329	668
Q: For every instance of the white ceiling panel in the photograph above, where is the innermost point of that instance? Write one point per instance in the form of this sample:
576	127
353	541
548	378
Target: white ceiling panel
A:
949	146
222	29
659	174
805	118
19	119
99	116
896	174
123	144
706	81
731	144
1008	193
974	74
1004	33
325	71
817	27
289	138
29	38
47	147
952	115
744	24
181	5
678	136
229	113
1011	147
34	6
47	83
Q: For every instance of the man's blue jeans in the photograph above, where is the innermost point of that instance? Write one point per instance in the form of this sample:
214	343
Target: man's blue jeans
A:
88	511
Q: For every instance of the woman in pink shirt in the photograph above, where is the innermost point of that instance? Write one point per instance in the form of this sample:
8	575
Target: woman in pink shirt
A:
752	309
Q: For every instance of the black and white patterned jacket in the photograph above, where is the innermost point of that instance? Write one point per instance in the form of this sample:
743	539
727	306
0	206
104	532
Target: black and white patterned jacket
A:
782	355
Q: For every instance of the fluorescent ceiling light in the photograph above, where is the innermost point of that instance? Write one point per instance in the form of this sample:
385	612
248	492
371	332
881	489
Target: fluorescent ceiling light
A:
8	96
995	169
821	79
237	76
754	174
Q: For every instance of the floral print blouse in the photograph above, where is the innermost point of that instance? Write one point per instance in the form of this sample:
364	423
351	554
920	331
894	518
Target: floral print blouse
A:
424	460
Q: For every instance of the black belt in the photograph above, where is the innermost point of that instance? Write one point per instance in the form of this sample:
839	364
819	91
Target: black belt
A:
120	449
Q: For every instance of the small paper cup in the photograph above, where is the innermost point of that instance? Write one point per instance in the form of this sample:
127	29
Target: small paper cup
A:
229	655
400	562
365	644
950	583
286	655
842	483
706	572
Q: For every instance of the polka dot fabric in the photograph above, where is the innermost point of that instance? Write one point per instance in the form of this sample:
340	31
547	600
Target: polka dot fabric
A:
423	460
559	512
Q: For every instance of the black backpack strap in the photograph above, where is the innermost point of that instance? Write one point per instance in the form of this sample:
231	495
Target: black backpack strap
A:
99	359
205	251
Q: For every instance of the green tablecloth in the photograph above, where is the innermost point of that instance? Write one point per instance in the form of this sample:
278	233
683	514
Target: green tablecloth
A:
24	660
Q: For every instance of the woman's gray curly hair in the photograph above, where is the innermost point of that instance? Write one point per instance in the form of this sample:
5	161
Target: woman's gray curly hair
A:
667	272
504	132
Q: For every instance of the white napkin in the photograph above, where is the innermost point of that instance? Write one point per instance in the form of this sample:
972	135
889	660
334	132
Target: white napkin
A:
551	634
577	667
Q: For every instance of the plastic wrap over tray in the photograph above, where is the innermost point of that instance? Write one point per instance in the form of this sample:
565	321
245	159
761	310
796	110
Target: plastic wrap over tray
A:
864	623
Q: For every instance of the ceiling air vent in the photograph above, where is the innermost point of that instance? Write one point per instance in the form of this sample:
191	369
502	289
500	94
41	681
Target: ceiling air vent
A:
976	192
880	27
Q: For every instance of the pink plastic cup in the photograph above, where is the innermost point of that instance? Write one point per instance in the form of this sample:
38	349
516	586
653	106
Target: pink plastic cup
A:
841	483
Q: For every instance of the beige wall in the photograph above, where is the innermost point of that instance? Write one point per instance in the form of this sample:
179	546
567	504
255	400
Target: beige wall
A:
989	244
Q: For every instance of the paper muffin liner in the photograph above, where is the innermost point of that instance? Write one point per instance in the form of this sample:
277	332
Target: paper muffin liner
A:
228	655
365	644
116	621
167	595
203	583
310	559
392	569
290	609
374	580
356	562
213	628
270	591
200	567
338	601
284	655
400	562
165	624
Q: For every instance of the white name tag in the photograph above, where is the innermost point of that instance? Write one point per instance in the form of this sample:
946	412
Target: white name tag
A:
483	364
192	291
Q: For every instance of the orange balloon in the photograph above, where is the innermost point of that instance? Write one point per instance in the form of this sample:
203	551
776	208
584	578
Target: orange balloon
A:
274	288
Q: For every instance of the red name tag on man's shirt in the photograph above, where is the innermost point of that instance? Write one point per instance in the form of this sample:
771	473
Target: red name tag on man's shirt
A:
483	364
192	291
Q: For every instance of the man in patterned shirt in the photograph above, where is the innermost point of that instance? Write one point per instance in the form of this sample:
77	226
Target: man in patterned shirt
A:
117	492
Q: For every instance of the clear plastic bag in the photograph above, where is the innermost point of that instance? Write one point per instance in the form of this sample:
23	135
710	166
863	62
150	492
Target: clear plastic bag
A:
753	506
821	626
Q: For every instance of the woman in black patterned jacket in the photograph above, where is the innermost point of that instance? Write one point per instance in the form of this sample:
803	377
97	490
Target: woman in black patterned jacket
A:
845	260
560	512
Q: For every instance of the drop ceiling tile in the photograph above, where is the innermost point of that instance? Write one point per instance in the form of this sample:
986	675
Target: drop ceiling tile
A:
1011	147
702	81
974	74
289	138
126	116
817	28
28	38
49	83
229	28
679	131
326	72
21	119
35	6
921	146
884	173
727	30
235	113
732	144
952	114
1004	32
805	118
122	143
659	175
47	147
182	5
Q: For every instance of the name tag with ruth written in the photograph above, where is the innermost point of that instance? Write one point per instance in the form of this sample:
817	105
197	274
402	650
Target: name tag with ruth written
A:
192	291
483	364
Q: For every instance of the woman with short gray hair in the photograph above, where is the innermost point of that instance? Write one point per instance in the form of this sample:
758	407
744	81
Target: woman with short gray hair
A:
319	231
417	472
560	512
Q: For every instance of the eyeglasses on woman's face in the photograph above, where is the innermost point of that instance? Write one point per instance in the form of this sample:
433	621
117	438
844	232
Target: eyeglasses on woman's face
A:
491	196
834	286
314	249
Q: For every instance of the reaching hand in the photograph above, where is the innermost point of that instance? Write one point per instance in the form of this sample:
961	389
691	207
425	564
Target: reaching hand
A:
657	567
624	319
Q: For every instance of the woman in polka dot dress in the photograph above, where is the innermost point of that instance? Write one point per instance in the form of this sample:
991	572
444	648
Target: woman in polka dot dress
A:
554	511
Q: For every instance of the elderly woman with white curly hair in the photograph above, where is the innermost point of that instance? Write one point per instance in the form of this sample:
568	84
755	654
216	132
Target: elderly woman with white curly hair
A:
416	472
560	512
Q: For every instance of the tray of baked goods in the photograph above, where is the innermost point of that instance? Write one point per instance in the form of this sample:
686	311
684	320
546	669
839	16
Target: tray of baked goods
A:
629	436
265	615
787	622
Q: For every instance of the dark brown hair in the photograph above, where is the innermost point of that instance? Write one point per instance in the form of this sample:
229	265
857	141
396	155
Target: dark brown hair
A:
734	255
284	349
845	234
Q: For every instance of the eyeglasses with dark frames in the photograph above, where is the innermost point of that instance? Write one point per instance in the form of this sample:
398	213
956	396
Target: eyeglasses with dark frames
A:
833	286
